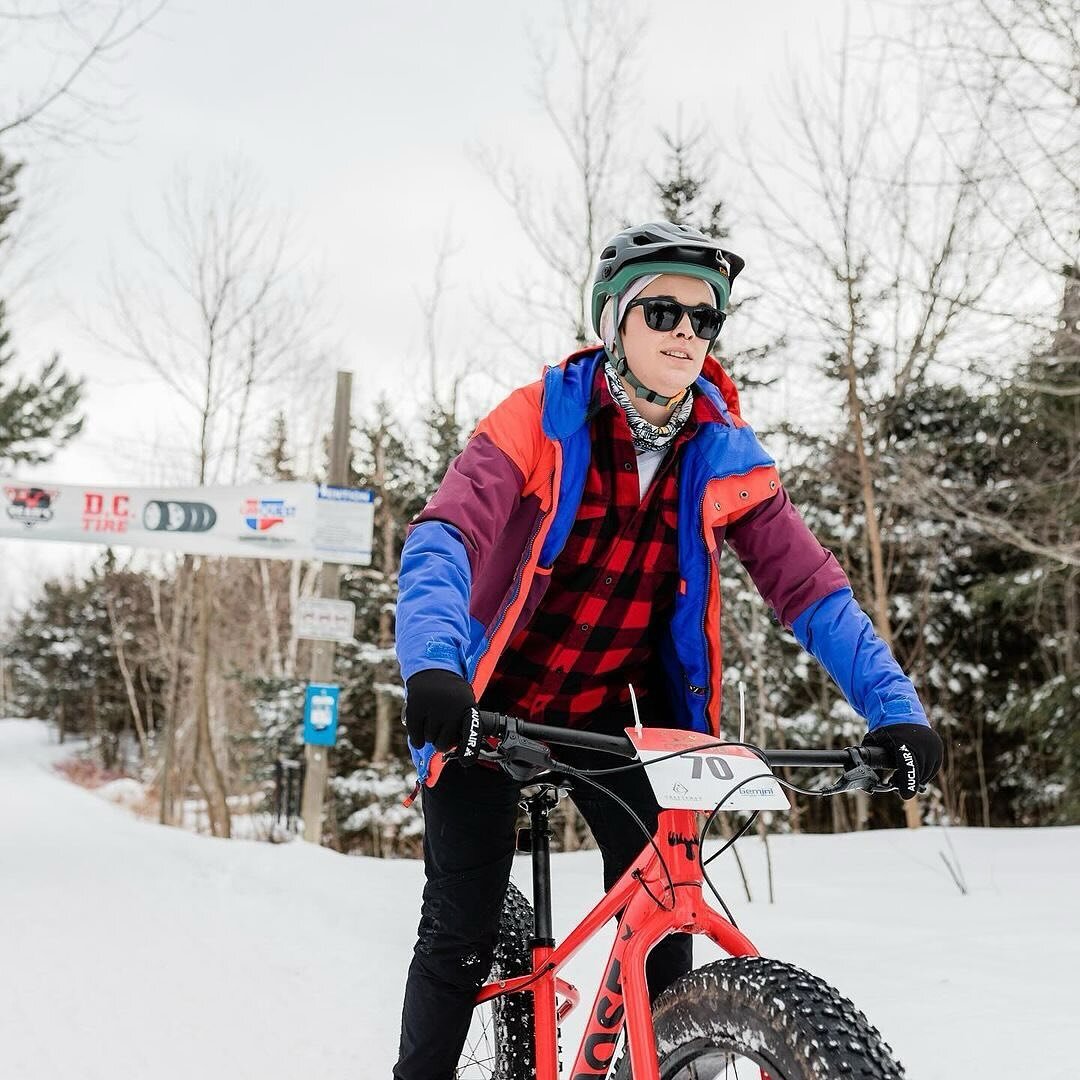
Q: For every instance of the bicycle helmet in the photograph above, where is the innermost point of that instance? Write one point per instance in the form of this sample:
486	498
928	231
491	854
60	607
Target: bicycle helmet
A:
658	247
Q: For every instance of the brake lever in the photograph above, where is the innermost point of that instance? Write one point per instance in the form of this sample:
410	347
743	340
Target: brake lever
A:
523	758
858	777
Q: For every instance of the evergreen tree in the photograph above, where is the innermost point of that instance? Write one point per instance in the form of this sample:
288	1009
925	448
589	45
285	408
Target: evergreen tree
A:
83	655
1032	604
683	190
274	460
685	195
37	416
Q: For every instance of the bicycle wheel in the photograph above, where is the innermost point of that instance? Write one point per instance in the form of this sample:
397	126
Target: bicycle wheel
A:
499	1045
751	1017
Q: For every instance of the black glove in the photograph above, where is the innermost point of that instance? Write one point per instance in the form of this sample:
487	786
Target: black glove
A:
916	750
438	708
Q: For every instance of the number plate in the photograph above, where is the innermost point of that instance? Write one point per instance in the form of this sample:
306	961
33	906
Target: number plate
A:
704	773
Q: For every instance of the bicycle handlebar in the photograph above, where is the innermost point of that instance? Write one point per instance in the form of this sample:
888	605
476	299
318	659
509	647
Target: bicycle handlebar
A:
496	725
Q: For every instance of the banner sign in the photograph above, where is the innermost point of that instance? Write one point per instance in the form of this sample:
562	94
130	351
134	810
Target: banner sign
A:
261	521
321	714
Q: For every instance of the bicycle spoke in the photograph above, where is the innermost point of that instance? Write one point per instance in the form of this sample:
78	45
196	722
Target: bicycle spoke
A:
479	1057
721	1065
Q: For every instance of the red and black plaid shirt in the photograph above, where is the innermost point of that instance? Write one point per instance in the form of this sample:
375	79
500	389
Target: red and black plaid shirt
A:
611	588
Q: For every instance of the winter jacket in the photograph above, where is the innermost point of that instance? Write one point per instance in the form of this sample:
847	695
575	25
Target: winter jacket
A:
478	558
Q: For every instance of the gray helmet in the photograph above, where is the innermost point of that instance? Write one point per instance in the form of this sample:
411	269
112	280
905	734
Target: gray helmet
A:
659	247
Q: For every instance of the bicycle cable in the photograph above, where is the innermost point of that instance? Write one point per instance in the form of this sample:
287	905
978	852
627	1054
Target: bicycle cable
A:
586	774
582	774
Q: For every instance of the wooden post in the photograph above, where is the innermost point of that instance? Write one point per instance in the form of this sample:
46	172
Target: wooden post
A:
322	652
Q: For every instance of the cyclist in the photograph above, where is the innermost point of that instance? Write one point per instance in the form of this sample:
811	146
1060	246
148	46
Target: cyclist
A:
572	550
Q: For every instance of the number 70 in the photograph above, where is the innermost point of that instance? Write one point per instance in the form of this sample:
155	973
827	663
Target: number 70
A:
717	766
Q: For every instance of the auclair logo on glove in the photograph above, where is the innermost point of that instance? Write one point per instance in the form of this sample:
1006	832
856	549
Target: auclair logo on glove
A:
470	748
909	762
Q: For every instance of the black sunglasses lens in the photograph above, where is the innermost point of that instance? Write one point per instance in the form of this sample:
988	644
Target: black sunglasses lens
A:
662	315
706	321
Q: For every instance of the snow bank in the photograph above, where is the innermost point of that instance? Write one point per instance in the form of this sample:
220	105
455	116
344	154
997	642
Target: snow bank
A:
131	950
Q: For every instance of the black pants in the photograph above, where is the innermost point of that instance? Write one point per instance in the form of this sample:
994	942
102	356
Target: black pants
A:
470	825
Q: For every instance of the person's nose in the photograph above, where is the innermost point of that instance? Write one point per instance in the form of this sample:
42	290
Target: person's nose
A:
684	328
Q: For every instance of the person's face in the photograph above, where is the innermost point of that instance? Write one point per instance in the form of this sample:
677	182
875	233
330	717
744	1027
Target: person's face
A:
670	361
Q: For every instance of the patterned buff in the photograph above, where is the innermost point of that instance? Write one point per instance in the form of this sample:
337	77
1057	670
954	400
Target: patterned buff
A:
648	436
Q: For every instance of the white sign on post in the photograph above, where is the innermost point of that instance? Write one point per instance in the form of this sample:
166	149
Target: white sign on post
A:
326	620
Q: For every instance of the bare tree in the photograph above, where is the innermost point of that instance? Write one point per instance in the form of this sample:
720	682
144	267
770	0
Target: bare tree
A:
219	311
220	314
1010	75
80	39
565	224
880	255
1011	70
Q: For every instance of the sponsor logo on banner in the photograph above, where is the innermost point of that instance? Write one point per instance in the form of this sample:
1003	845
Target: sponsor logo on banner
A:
170	515
262	515
30	505
347	495
105	512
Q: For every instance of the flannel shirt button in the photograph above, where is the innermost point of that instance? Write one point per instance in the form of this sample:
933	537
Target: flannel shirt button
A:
628	465
584	626
608	580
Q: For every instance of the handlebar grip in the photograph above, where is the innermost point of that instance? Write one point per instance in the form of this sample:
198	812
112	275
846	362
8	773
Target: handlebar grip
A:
877	757
590	740
495	724
491	723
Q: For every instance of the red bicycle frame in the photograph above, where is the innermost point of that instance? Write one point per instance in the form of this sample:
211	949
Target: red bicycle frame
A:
651	909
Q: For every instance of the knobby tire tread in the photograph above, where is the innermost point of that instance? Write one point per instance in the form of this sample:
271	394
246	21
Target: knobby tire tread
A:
800	1025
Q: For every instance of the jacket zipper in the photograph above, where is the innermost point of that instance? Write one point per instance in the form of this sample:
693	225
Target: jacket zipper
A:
705	605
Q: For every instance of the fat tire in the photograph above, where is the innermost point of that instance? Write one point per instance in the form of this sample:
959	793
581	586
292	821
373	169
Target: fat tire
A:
796	1024
512	1014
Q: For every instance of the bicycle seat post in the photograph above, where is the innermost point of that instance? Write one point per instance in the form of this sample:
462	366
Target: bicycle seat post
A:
539	805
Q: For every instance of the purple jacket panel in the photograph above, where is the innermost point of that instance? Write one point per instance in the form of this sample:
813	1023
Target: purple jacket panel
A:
788	565
481	497
537	587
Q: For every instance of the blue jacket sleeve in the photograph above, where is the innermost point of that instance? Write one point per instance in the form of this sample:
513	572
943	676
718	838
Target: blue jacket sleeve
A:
839	634
433	600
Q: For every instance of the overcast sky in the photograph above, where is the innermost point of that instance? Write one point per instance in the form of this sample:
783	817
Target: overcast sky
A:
364	121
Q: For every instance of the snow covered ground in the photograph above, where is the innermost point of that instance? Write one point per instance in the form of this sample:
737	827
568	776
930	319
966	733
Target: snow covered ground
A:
130	950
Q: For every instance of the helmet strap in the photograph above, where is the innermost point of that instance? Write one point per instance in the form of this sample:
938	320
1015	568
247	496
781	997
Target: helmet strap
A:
622	368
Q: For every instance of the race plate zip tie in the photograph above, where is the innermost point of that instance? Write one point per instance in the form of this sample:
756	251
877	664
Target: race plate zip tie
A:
742	712
633	703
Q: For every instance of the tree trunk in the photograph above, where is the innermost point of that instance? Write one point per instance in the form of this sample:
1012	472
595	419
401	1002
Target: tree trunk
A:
273	630
125	674
873	541
294	602
177	625
984	791
144	678
207	771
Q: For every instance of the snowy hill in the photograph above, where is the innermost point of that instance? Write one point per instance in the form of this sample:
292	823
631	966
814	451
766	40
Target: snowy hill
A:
131	950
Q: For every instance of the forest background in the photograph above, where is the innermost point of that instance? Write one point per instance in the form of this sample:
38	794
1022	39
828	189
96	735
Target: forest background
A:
905	338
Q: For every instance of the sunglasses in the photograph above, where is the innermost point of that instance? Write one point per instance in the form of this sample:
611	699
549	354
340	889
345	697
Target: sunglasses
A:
663	314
